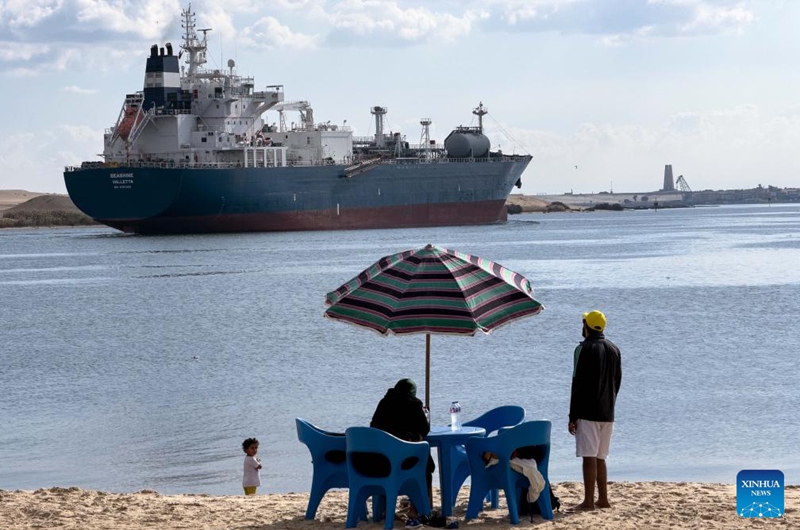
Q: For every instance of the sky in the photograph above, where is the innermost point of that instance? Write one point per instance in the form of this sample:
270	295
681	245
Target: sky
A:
602	93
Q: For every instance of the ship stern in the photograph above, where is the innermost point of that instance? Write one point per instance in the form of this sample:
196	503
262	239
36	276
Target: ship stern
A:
123	197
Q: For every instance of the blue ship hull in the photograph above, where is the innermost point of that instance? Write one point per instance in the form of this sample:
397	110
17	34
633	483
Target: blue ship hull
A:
414	193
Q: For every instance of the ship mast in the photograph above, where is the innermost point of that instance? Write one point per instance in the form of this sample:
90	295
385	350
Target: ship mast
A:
195	47
425	137
480	111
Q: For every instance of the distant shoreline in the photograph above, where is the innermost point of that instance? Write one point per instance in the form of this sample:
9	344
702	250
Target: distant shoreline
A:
25	209
599	201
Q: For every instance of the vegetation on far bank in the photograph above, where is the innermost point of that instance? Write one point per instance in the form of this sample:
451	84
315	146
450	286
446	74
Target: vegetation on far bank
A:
40	218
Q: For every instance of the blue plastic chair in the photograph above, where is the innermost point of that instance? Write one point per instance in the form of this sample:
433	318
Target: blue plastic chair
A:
492	421
406	463
500	475
329	460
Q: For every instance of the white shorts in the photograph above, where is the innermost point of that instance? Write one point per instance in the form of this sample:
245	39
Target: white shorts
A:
593	438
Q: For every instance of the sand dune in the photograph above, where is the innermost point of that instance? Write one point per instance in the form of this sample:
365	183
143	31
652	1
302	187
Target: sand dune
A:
45	203
647	505
9	198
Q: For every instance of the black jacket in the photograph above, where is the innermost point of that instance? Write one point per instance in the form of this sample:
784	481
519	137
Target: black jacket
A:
401	415
596	379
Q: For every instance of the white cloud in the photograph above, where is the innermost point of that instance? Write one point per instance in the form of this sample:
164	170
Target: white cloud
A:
73	89
49	60
269	33
618	21
31	28
27	13
518	11
388	22
13	51
709	19
146	18
305	7
24	61
82	133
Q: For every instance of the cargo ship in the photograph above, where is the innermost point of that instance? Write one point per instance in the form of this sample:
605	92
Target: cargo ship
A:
193	152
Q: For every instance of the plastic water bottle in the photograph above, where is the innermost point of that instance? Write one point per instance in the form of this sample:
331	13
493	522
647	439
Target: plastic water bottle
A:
455	416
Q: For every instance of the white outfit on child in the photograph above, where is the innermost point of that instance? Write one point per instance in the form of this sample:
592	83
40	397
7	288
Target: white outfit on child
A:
252	475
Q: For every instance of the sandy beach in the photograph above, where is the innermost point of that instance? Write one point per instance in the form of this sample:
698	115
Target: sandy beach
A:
642	505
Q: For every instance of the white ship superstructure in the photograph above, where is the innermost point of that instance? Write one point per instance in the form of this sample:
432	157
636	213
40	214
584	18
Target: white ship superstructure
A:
190	115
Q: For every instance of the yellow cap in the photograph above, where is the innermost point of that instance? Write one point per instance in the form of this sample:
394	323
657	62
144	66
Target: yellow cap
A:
595	320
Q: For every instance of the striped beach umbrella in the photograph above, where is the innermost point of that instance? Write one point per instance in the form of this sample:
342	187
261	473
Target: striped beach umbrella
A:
433	290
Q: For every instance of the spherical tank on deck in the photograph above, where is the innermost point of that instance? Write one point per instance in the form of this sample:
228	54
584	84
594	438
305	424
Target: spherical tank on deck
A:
466	145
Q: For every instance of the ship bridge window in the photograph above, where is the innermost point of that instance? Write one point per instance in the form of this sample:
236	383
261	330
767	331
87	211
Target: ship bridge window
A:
203	139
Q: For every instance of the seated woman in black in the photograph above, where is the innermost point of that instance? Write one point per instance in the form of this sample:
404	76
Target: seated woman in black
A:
401	414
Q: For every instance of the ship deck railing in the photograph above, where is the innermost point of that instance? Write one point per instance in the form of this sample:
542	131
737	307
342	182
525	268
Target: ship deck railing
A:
233	165
446	160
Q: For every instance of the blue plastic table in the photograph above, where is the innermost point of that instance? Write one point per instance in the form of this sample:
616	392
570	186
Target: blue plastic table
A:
446	442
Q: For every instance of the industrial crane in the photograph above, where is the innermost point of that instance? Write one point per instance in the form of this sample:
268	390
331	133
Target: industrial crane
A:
685	189
683	185
305	110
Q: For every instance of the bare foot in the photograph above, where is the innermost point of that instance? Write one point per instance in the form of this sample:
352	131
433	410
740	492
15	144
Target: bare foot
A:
584	507
602	504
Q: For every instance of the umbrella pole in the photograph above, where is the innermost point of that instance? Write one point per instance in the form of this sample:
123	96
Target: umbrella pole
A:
428	371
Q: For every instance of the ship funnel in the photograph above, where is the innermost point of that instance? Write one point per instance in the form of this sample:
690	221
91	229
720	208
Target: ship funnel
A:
379	112
169	48
162	51
154	50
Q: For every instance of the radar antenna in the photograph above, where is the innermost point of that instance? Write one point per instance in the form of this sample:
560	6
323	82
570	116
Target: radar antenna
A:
196	48
480	111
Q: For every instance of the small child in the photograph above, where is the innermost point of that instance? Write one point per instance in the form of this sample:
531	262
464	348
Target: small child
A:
252	466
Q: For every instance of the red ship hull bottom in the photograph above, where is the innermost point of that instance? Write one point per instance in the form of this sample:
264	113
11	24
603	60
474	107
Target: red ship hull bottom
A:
410	216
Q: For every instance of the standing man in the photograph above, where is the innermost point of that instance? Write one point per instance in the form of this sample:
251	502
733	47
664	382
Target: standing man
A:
595	383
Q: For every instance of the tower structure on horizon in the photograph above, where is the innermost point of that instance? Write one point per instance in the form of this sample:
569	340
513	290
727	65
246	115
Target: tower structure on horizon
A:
669	183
